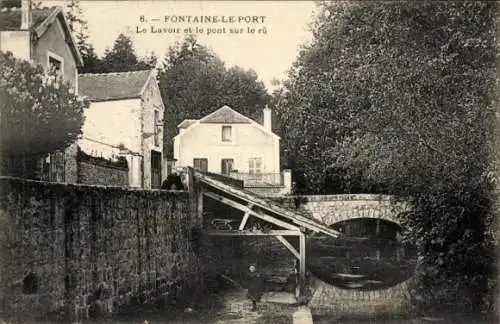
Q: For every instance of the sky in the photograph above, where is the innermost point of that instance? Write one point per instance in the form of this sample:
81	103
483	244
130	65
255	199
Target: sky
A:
270	54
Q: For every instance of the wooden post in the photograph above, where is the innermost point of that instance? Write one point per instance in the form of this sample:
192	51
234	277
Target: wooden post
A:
189	179
302	269
200	205
377	231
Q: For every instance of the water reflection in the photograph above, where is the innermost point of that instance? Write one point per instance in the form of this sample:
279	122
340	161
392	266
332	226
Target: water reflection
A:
370	256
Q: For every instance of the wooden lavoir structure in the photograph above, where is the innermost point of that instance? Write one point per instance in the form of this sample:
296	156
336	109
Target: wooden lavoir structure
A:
285	223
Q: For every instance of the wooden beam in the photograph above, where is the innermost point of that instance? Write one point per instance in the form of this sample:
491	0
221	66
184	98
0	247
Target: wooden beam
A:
244	221
252	233
244	208
288	246
275	221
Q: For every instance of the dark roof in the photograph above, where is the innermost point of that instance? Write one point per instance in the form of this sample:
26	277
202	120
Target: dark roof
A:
10	18
187	122
225	115
112	86
41	20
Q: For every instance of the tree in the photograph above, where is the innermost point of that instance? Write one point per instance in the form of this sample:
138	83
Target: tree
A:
76	22
244	91
194	82
122	57
79	28
38	115
91	62
398	96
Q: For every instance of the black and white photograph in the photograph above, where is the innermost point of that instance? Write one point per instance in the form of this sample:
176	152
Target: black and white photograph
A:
249	161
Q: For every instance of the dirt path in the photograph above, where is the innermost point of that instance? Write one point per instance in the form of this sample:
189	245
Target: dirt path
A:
230	307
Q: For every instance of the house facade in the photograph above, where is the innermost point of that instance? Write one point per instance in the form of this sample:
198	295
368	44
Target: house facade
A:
125	120
229	143
43	37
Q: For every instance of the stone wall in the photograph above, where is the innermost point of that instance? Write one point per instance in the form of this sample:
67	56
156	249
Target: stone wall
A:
274	191
78	251
327	299
71	164
94	174
151	100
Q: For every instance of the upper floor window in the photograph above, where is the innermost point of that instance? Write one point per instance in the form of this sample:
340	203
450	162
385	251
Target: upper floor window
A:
227	135
56	66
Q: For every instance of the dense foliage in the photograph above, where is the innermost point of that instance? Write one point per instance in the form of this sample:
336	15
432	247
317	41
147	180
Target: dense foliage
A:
122	57
79	28
194	82
38	115
397	97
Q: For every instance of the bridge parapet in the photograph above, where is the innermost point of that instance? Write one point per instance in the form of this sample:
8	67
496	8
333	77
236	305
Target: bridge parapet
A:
331	209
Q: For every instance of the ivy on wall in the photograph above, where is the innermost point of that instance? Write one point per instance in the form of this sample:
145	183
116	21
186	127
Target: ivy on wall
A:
119	162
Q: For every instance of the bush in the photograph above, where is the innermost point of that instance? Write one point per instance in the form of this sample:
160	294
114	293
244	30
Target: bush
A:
38	115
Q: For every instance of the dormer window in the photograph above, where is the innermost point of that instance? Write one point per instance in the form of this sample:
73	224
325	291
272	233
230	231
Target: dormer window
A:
227	135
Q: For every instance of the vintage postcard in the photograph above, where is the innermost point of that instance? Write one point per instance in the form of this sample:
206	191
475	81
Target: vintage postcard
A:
248	161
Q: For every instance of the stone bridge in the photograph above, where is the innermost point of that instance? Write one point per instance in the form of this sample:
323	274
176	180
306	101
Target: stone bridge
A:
331	209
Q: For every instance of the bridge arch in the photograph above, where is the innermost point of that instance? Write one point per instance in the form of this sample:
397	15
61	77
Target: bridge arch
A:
332	209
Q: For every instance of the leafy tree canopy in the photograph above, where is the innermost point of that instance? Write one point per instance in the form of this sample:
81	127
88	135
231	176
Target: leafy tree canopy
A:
399	97
122	57
37	114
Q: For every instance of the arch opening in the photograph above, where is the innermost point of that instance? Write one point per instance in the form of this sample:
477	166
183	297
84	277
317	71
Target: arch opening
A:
30	284
369	257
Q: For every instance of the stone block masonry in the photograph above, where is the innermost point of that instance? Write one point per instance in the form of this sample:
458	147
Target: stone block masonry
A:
78	251
331	209
89	173
327	300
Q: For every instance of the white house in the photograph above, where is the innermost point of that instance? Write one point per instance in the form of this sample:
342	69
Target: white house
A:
125	118
229	143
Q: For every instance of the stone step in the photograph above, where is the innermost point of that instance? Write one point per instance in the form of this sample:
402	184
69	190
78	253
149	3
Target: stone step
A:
302	316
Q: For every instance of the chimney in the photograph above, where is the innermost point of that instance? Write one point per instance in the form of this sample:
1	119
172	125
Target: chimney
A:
25	14
267	118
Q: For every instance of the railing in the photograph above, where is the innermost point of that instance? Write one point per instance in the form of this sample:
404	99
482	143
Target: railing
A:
259	179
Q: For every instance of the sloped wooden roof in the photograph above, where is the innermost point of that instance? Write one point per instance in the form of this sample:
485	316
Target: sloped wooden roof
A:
251	198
